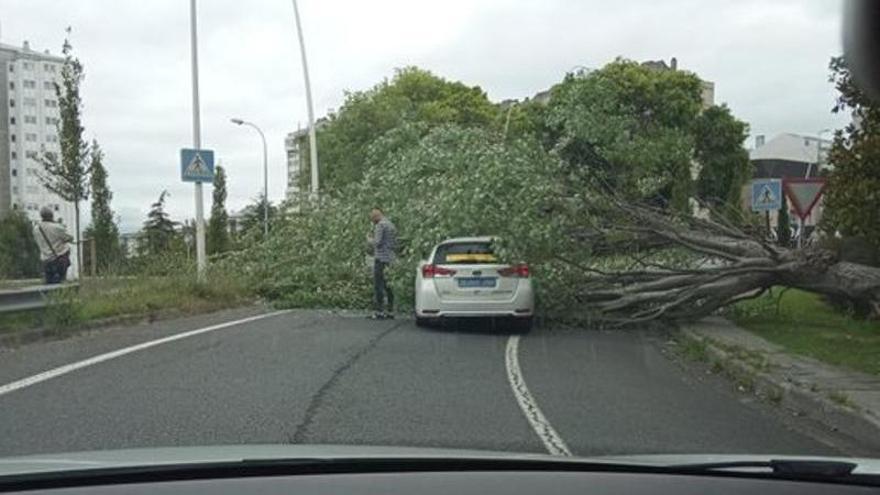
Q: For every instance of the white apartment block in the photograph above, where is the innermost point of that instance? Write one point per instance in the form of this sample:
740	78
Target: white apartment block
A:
294	148
29	118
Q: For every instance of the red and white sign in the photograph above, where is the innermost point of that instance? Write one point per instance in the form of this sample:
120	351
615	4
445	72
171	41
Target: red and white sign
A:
804	193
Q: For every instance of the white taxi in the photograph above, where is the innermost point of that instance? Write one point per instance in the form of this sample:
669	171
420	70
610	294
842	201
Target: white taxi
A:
463	277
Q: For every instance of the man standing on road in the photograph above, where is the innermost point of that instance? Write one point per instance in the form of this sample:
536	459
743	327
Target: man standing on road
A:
384	243
52	239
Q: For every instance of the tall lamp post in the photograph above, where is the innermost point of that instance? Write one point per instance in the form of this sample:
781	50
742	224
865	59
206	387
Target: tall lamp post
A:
313	141
265	174
197	142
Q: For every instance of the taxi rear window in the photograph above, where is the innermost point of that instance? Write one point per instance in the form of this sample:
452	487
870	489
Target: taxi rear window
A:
465	253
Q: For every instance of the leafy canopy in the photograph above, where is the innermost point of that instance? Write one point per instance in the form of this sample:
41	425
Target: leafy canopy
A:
218	224
67	175
159	230
413	95
453	181
19	256
853	193
724	162
630	127
103	228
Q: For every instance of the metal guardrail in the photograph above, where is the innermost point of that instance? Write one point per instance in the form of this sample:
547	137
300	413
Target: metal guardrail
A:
29	297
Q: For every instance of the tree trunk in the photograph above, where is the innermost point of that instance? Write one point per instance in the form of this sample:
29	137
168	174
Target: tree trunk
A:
79	257
742	266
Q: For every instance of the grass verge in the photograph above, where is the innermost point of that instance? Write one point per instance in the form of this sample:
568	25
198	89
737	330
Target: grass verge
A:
804	324
144	296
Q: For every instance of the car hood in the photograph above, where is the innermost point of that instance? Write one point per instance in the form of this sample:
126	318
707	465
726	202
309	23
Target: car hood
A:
79	461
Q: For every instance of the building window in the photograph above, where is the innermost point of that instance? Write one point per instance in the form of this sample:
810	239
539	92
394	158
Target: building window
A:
31	189
12	137
57	208
51	103
30	102
29	84
30	136
14	189
11	102
51	121
48	67
27	65
51	138
11	68
11	84
30	119
14	155
31	154
48	85
11	120
15	172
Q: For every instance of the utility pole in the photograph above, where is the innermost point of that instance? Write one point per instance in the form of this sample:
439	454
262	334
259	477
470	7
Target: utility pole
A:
313	141
197	142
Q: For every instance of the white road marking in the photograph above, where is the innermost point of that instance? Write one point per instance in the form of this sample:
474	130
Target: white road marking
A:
552	441
68	368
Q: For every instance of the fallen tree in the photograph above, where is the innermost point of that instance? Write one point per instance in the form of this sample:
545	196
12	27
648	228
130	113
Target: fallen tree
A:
720	264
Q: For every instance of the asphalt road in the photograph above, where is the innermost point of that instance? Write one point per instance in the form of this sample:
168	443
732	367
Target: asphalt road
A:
320	377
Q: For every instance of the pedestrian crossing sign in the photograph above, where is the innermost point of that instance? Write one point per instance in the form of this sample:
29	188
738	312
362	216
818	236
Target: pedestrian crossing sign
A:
766	194
196	165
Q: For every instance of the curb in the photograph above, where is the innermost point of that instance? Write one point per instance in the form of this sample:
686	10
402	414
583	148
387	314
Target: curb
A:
794	397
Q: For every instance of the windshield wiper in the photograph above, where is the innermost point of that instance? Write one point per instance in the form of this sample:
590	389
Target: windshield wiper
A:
782	467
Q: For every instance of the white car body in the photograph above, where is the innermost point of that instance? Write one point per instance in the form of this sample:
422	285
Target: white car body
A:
446	290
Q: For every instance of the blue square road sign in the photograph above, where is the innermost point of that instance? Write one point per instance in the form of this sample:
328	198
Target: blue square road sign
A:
766	194
196	165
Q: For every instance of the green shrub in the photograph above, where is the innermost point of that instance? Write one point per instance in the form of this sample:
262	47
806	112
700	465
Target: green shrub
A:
65	310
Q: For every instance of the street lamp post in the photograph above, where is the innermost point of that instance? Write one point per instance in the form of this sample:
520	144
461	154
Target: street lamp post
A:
265	174
197	143
313	141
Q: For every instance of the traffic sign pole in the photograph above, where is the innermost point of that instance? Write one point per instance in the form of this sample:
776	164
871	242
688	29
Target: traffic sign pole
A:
800	242
197	143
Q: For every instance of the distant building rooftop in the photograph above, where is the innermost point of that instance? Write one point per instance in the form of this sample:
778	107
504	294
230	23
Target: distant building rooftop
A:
789	155
25	51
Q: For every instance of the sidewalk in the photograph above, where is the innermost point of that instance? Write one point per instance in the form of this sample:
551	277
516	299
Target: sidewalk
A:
845	400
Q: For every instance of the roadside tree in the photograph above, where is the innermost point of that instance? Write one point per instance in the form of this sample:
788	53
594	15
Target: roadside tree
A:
103	228
67	174
218	224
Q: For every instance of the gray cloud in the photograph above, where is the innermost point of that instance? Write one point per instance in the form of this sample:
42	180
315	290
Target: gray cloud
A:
768	60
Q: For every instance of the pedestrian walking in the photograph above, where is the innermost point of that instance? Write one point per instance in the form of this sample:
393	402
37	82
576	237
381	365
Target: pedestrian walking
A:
54	243
383	240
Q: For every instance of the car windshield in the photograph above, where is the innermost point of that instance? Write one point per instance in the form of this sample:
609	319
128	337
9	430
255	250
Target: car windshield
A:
569	228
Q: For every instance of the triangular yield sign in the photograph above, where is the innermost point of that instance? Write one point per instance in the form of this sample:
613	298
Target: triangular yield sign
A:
804	194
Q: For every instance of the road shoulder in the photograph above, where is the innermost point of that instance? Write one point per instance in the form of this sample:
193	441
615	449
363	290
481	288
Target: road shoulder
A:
38	356
845	401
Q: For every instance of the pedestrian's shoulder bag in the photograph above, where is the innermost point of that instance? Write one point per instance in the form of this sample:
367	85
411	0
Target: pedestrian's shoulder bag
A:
63	259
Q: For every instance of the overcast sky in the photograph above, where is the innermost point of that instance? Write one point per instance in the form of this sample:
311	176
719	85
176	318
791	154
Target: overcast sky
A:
768	61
